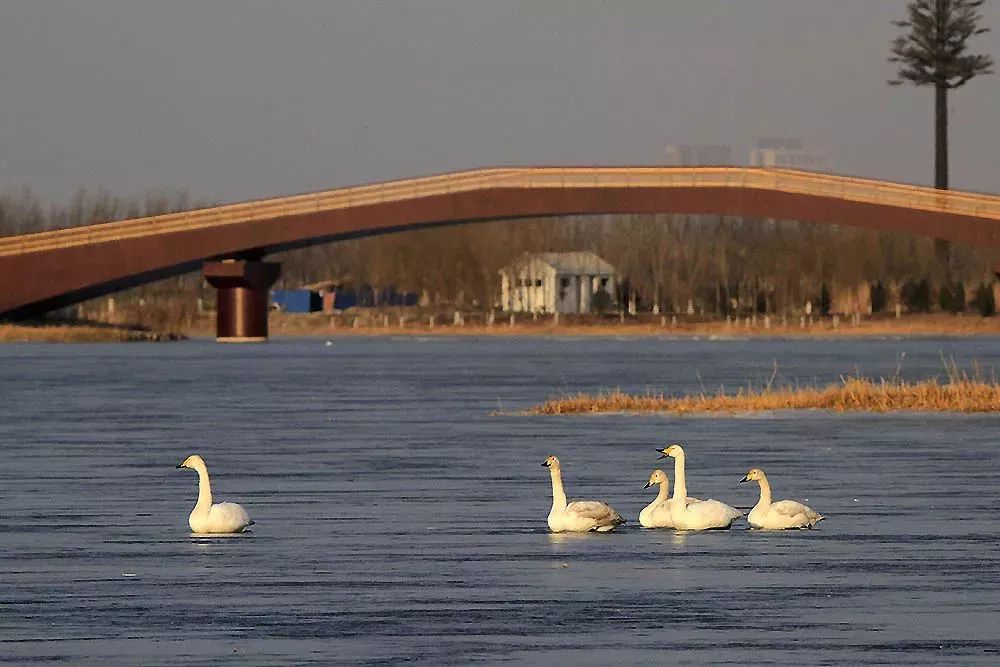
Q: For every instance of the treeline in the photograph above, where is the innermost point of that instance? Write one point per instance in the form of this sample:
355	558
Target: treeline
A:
695	264
25	213
701	264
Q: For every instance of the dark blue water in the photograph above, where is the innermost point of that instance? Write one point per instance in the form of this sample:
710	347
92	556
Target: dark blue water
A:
398	520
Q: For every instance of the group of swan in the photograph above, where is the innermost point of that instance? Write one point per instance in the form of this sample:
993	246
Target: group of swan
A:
678	511
582	516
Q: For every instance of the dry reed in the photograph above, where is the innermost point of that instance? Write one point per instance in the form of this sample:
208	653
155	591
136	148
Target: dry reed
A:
79	333
959	393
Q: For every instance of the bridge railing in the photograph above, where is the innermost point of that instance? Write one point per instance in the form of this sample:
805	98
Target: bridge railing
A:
256	210
794	182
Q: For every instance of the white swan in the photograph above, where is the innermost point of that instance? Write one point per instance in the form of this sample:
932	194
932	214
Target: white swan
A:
700	515
582	516
657	513
780	515
209	518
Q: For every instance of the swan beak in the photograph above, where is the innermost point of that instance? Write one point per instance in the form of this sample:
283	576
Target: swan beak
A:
662	453
545	464
744	479
180	465
648	484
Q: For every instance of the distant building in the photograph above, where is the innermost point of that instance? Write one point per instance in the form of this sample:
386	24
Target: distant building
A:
551	282
332	296
788	154
699	156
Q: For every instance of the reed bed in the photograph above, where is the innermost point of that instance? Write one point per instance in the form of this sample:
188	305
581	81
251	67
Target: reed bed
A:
474	324
955	394
74	333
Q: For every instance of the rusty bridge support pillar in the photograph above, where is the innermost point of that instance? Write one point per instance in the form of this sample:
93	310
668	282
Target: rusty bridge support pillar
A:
242	298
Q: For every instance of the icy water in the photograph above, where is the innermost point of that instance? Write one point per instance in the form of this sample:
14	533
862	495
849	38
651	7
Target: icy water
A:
397	520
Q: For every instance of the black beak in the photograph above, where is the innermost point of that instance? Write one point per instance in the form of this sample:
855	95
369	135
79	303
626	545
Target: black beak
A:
545	464
662	455
744	479
179	465
648	484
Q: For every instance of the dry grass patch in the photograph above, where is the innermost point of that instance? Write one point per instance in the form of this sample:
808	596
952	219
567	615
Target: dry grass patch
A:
956	394
79	333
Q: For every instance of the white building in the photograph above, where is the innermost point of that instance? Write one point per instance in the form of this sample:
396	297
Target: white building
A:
550	282
788	154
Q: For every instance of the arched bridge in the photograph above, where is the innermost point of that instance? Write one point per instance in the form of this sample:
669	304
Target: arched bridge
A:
47	270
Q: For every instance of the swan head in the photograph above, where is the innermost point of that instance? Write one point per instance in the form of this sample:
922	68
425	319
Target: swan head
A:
658	477
194	462
550	462
753	474
674	450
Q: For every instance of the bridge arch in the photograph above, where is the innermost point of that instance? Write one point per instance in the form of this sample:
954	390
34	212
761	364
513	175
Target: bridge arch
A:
48	270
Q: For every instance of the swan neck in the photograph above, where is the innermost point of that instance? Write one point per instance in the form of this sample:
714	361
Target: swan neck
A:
204	488
680	480
558	494
664	492
765	491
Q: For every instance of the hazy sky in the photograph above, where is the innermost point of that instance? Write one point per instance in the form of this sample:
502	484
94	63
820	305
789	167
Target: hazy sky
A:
238	99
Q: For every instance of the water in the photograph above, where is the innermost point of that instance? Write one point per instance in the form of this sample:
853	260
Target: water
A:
397	520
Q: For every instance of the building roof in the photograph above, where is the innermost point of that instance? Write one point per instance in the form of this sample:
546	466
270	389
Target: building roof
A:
576	263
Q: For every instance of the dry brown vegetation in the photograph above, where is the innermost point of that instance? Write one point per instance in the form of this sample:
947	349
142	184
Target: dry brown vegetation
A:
958	393
79	333
373	323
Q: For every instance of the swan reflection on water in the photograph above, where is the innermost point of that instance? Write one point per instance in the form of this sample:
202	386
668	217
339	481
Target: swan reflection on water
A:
556	539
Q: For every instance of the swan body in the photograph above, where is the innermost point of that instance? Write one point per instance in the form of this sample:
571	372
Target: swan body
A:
213	518
582	516
781	515
657	513
701	514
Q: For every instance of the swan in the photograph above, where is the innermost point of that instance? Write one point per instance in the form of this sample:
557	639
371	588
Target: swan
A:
780	515
657	513
209	518
699	515
582	516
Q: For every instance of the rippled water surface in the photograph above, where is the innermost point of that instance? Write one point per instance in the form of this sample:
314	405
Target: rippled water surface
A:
398	520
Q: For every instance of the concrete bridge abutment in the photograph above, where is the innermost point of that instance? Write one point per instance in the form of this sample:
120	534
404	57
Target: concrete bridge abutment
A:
243	287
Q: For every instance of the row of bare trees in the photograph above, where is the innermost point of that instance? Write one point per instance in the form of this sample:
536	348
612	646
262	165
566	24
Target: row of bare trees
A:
675	262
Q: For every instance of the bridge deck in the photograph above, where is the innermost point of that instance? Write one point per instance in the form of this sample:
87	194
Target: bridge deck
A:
882	193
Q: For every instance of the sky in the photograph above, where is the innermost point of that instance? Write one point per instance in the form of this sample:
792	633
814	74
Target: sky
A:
243	99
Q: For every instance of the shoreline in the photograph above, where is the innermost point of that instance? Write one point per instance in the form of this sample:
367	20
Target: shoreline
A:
296	326
317	325
72	332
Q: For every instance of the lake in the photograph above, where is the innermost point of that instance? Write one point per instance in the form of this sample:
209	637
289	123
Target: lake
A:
398	520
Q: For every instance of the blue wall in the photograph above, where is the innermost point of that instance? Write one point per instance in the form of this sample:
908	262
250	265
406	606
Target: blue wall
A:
296	300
